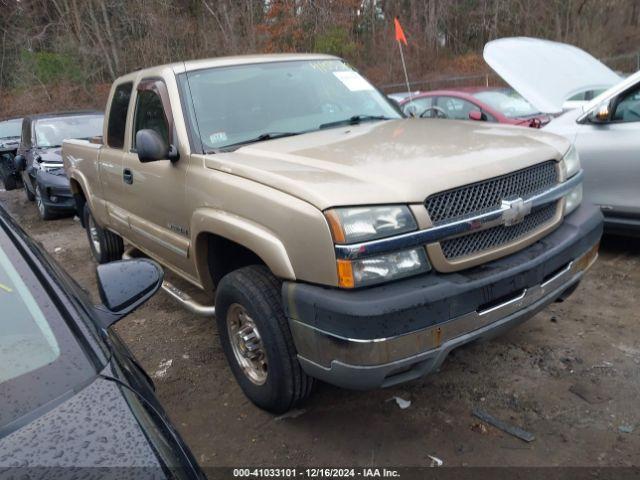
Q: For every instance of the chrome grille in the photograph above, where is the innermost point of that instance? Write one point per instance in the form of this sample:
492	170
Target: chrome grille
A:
486	195
497	236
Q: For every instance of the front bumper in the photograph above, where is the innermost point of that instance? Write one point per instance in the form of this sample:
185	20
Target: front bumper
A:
56	191
385	335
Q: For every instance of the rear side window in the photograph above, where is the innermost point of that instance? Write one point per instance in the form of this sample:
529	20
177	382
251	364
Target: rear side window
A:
118	115
150	114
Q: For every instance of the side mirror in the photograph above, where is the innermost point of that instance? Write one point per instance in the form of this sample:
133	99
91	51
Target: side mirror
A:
477	116
19	162
151	146
124	286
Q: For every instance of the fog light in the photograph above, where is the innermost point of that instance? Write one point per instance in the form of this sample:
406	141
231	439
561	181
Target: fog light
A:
573	199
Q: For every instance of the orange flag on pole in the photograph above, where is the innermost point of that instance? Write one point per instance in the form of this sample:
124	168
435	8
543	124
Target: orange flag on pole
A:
399	32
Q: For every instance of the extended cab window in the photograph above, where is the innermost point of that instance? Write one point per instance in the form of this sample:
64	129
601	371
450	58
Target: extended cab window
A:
118	115
150	114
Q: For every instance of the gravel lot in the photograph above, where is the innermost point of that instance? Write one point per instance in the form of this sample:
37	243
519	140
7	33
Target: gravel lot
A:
571	376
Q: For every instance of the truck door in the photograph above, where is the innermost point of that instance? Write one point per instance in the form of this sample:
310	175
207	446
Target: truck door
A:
610	155
111	157
154	192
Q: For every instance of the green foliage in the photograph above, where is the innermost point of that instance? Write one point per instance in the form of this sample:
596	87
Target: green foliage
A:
51	67
336	41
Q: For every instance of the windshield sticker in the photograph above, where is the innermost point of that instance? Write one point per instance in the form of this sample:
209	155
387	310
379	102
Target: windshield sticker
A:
353	81
218	137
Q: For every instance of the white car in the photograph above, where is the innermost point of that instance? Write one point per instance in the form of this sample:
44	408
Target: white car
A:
605	130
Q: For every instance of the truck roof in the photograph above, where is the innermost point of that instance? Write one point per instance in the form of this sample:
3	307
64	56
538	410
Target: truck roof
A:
190	65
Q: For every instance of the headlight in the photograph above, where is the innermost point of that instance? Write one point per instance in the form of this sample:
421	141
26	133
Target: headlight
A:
571	162
361	224
573	199
382	268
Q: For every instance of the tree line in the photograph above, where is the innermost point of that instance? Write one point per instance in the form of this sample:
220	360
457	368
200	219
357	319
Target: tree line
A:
88	43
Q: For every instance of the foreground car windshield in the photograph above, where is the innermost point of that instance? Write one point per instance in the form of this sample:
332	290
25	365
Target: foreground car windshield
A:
10	128
51	132
508	102
39	357
232	105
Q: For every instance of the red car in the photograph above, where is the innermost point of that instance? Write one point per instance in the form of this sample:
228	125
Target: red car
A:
501	105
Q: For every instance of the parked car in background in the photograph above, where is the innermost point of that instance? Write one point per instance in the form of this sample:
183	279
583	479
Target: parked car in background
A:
73	395
9	142
39	162
501	105
400	96
605	131
326	224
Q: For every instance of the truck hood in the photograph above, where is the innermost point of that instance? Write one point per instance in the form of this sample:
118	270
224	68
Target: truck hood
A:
547	73
394	161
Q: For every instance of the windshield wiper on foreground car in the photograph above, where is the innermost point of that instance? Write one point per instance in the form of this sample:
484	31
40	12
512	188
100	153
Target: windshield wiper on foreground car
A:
260	138
354	120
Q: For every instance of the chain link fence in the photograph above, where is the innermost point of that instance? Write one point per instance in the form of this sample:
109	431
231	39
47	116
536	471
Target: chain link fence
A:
624	64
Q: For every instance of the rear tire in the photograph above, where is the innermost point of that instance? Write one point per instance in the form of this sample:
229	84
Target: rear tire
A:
105	245
10	183
6	172
260	349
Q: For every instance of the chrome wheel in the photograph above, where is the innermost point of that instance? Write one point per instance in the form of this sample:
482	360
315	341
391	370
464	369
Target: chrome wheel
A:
93	233
246	344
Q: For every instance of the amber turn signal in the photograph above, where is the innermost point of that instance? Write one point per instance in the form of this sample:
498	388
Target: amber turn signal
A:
334	224
345	274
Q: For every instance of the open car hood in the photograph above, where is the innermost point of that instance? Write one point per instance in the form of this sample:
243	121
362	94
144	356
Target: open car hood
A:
547	73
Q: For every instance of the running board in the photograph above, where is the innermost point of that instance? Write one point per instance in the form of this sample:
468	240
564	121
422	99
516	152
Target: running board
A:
183	298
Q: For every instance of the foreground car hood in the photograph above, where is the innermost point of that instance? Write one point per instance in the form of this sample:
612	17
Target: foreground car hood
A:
95	427
547	73
398	161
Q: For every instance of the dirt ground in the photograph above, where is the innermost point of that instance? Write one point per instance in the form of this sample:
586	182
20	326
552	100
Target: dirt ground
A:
570	376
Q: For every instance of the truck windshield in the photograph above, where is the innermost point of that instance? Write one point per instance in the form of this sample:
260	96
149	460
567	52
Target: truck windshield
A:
51	132
10	128
245	103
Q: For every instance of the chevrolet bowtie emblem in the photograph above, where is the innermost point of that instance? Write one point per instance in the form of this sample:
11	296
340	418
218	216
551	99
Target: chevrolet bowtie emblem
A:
514	211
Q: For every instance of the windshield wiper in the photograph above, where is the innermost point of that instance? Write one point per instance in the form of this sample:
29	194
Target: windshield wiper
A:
354	120
260	138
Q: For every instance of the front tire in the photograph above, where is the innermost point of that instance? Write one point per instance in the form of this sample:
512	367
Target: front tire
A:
30	196
105	245
43	210
257	341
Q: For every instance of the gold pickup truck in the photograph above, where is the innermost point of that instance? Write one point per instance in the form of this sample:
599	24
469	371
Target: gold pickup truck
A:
341	241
